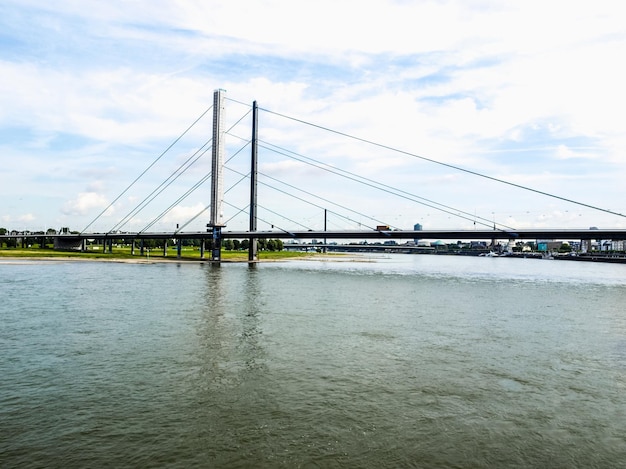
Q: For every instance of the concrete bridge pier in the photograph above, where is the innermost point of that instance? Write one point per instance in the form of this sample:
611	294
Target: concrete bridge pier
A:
164	247
179	248
216	253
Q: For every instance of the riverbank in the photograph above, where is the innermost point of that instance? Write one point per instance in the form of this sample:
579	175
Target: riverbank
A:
13	256
613	259
590	258
61	259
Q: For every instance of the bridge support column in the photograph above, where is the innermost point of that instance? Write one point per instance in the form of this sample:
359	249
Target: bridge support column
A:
132	247
253	246
179	248
141	248
325	222
253	250
164	247
216	252
202	248
83	245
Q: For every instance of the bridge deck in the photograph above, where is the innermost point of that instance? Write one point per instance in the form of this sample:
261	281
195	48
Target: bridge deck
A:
557	234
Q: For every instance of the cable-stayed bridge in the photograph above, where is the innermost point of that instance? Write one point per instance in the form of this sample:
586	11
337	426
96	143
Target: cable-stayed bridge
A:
276	192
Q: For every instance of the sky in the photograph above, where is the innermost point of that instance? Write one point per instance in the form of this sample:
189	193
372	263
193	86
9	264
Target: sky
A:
371	111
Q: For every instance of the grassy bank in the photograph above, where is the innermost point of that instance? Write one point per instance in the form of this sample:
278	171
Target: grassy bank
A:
124	253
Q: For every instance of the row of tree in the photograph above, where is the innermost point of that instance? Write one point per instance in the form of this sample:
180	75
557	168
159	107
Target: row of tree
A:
262	245
228	244
15	242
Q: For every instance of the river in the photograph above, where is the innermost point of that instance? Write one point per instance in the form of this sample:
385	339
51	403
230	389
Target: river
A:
381	362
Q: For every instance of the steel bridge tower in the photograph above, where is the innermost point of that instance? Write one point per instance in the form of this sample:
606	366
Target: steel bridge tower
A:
217	174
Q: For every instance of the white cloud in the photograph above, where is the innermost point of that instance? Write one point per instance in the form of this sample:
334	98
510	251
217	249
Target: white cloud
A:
563	152
28	217
24	218
84	203
182	213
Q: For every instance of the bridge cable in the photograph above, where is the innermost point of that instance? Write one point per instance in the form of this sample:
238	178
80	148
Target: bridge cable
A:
374	184
180	199
307	201
148	168
383	187
386	188
323	199
458	168
286	218
199	153
265	221
240	210
209	206
194	187
314	195
370	183
185	195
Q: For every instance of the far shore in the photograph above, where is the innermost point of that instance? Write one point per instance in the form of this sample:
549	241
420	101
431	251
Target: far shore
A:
51	257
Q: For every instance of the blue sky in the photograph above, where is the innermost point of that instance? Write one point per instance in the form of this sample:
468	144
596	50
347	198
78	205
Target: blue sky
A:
531	92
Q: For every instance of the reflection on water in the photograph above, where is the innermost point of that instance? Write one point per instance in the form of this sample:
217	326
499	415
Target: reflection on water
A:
403	361
230	330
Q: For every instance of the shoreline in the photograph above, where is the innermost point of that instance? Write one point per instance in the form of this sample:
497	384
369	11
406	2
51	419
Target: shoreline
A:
62	259
17	260
317	257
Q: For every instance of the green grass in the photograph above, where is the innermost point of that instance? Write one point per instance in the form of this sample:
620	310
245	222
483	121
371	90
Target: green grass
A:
51	253
187	253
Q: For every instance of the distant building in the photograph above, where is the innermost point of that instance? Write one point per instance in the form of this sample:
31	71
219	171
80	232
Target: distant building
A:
417	227
610	245
548	245
478	245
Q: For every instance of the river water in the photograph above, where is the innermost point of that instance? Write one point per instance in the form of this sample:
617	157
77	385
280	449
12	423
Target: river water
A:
397	361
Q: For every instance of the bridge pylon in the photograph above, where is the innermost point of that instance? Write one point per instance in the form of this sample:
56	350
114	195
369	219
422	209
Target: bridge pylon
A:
253	247
217	174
